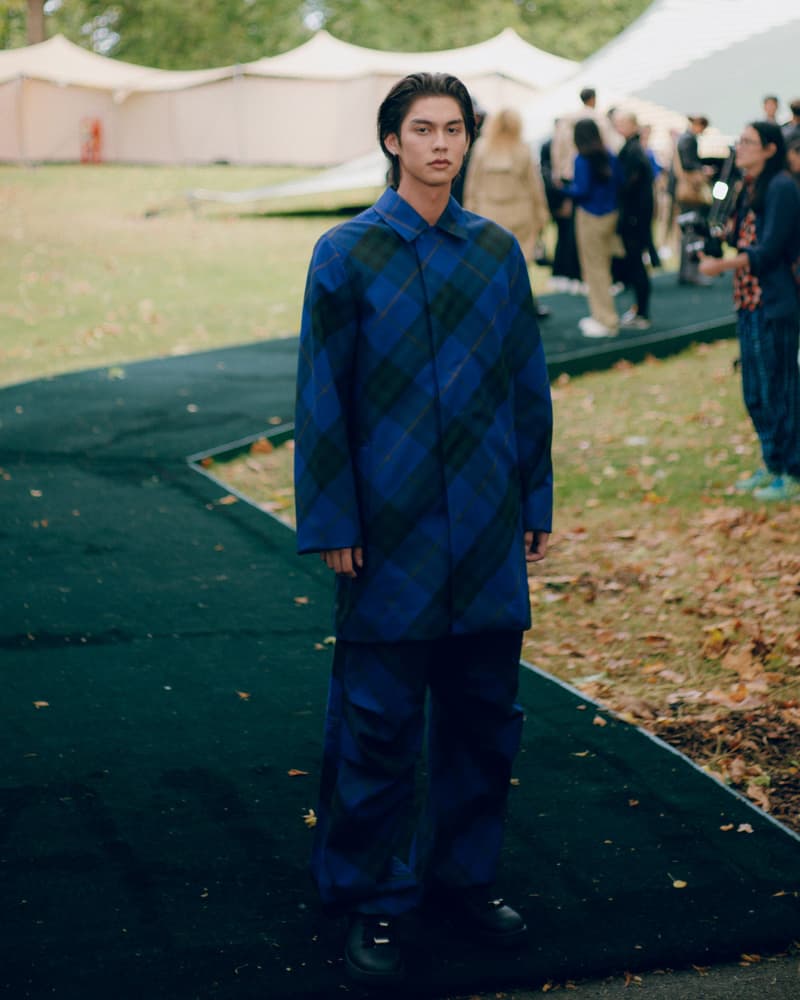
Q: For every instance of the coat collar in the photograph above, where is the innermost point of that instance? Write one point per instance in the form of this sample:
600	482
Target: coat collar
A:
409	224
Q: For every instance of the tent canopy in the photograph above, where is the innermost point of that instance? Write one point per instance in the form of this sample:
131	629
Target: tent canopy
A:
312	106
716	58
322	57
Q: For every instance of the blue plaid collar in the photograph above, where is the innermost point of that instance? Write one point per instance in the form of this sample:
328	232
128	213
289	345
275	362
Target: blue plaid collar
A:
409	224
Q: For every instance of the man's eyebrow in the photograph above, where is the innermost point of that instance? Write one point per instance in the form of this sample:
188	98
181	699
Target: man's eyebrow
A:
427	121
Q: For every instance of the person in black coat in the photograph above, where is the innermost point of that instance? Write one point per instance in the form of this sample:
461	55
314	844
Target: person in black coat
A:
635	217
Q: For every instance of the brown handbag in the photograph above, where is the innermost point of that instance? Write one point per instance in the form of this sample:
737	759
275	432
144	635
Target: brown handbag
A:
691	186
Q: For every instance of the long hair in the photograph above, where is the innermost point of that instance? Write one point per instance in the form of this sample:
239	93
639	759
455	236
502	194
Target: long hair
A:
503	130
589	144
767	133
397	102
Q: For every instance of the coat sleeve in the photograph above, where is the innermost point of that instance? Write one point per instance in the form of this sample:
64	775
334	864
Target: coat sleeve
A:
533	411
781	218
325	492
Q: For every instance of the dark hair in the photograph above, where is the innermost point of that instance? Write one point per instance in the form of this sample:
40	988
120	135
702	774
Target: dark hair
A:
588	94
771	97
794	106
589	144
397	102
793	144
768	132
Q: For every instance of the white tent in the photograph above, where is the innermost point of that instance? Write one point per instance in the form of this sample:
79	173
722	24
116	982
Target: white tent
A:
313	106
715	57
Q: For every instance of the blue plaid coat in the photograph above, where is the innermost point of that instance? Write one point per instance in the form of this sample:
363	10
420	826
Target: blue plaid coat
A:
423	422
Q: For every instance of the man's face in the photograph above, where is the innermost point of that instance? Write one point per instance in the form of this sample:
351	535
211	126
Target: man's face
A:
793	160
770	107
625	125
432	142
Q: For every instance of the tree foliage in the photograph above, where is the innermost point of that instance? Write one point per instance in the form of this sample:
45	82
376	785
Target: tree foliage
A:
204	33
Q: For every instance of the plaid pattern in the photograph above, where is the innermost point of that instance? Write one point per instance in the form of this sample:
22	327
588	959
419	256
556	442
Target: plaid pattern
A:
771	386
423	422
363	857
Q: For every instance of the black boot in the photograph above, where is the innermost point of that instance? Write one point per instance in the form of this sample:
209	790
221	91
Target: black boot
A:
372	952
477	912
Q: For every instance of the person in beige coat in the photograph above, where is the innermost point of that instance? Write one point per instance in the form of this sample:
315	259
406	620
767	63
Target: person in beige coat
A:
504	184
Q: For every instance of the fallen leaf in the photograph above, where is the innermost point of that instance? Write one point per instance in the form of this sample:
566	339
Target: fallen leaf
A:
226	501
293	772
262	447
598	720
679	884
301	600
41	704
244	695
744	828
310	818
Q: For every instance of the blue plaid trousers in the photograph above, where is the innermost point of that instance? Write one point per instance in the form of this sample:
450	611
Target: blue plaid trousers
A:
771	386
373	847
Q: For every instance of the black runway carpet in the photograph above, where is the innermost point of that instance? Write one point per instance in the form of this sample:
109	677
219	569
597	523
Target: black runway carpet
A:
164	669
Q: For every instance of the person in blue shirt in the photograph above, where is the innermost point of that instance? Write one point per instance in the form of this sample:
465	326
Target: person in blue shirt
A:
595	191
765	230
423	480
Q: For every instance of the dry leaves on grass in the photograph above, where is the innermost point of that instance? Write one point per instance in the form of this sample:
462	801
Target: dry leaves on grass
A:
693	632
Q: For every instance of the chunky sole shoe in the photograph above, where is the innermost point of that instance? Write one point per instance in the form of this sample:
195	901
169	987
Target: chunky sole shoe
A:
372	953
473	910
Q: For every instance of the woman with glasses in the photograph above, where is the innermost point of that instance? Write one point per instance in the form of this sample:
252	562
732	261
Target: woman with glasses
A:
765	230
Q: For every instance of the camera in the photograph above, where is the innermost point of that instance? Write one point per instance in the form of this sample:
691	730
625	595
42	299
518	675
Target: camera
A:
703	229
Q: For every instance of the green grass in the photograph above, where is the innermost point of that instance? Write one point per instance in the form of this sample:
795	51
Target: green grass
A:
100	265
87	279
665	595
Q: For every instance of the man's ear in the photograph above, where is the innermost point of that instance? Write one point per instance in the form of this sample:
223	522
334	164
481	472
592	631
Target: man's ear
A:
392	143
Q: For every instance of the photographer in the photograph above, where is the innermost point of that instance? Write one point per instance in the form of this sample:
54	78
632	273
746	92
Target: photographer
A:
692	195
765	229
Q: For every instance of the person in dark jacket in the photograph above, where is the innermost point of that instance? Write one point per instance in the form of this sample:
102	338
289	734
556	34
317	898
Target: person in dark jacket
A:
688	159
793	157
423	480
635	217
765	229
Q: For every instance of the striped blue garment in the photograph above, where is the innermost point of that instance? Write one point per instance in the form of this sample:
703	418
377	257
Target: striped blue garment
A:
423	422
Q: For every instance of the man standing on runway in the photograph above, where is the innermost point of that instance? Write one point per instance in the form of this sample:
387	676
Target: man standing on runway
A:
423	480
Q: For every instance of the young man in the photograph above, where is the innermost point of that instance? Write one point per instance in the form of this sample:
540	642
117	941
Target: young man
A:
423	480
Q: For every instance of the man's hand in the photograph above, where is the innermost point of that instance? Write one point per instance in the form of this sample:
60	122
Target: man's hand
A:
536	545
343	561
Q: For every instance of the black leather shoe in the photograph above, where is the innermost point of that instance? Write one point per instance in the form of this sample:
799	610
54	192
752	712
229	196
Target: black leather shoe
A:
372	953
491	920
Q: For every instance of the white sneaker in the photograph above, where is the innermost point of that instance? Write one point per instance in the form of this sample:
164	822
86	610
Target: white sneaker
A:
578	288
617	288
558	283
590	327
631	320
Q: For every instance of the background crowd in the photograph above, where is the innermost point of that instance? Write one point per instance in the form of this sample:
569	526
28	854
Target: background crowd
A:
611	199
